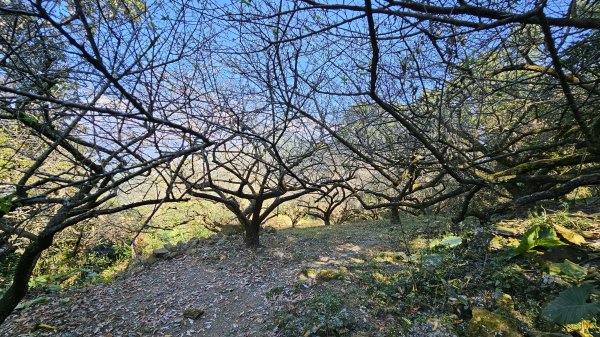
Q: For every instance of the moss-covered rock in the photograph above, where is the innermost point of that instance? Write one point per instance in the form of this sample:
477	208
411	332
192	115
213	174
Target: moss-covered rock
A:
194	313
498	242
488	324
307	273
391	257
332	274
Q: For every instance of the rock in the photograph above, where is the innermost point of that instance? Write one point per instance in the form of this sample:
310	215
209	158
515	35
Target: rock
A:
331	274
506	231
150	259
569	235
170	247
160	253
499	242
488	324
307	273
194	313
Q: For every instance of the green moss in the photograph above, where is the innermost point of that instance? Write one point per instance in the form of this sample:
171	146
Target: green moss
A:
391	257
332	274
488	324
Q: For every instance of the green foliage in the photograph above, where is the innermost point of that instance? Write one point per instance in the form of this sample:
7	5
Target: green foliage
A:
572	306
568	269
58	268
183	222
432	261
6	203
159	238
538	236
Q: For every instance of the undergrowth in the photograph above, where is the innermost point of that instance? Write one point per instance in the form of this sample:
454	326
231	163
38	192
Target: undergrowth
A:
433	275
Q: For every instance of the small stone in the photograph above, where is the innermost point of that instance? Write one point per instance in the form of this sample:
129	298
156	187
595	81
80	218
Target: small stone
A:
150	259
160	253
194	313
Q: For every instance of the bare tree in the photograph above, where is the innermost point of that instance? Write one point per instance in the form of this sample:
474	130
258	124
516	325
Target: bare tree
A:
252	178
486	90
91	87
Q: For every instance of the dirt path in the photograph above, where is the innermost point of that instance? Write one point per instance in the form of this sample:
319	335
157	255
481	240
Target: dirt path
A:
223	279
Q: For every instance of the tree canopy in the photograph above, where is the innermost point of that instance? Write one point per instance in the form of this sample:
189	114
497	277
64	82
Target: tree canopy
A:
474	107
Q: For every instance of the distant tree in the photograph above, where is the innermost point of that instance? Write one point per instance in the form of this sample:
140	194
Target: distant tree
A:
252	177
331	204
295	212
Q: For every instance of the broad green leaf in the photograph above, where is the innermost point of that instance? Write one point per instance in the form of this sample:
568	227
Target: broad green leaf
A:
571	306
569	269
547	238
538	236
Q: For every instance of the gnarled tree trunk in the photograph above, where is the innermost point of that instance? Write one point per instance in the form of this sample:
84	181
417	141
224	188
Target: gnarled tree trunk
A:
394	215
252	238
20	284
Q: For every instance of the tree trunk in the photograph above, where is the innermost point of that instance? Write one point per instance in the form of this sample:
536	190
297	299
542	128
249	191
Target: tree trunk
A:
327	218
77	245
20	284
253	234
394	215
